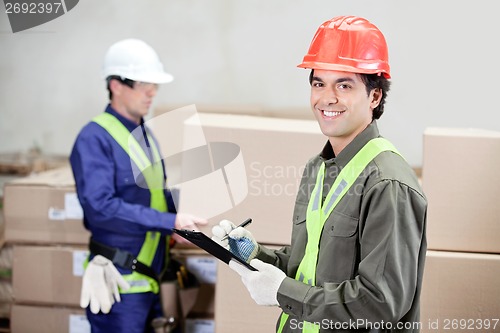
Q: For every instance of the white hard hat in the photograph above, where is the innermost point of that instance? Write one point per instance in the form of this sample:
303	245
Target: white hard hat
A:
135	60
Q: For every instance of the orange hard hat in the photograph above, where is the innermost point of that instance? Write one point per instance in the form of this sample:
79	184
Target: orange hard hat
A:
349	44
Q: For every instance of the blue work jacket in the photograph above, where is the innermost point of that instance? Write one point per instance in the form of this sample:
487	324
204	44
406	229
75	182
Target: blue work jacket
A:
116	210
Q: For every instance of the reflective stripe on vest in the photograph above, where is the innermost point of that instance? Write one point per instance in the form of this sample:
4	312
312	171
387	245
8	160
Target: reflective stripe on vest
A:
153	174
318	213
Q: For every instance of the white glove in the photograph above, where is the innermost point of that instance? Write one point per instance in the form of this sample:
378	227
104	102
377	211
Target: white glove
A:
263	284
221	231
100	285
240	241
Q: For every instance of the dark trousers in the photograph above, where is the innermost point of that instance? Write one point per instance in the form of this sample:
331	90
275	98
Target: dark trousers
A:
132	315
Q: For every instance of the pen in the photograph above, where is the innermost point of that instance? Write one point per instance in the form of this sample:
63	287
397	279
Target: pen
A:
244	224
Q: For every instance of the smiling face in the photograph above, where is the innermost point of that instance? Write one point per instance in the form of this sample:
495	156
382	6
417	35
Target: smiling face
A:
341	105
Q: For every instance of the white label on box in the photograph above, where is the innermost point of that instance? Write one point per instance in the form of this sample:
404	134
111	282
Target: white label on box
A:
79	258
204	268
200	325
72	207
57	214
78	324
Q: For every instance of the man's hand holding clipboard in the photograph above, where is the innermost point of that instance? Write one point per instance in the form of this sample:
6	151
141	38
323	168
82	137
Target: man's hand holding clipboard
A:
262	283
220	248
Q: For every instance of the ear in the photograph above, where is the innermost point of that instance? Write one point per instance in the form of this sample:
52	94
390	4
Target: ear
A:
376	97
115	87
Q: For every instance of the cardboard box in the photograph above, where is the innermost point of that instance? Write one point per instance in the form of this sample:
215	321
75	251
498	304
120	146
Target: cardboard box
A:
275	152
256	167
28	319
47	275
460	292
235	310
200	325
44	209
461	181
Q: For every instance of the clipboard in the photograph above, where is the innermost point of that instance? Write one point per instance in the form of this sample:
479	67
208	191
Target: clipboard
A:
206	243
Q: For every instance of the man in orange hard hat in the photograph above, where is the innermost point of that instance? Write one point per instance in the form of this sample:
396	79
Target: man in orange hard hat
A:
358	244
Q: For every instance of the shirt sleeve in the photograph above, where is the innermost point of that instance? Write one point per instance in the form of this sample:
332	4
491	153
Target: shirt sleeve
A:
278	258
93	165
391	240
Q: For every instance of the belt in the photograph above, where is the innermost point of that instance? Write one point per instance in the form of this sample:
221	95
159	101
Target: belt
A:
122	259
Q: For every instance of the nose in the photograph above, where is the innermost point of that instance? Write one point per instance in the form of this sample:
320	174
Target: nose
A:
151	91
329	97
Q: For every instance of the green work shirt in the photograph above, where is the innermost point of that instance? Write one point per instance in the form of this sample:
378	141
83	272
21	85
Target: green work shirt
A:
372	248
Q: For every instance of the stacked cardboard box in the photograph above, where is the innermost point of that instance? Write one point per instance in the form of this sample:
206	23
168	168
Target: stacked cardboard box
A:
45	319
460	179
49	247
44	209
43	225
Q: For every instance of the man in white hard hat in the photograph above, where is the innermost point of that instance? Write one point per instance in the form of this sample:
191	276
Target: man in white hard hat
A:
120	181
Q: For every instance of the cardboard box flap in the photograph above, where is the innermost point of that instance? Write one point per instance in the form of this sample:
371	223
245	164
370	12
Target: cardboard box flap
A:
461	132
255	122
60	177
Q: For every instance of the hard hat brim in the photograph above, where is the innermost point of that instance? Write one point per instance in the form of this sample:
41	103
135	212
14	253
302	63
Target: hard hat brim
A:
344	68
158	77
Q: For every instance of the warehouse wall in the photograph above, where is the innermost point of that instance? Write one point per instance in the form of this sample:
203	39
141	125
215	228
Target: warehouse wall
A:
229	52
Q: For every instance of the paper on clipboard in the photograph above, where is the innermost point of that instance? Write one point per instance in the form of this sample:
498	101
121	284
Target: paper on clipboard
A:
206	243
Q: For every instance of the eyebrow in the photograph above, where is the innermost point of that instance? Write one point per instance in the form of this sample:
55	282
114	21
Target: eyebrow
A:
339	80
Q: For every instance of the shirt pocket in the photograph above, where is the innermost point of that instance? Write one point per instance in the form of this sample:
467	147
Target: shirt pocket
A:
299	233
342	225
339	249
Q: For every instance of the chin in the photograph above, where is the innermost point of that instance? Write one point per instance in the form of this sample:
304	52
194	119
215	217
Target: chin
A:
329	131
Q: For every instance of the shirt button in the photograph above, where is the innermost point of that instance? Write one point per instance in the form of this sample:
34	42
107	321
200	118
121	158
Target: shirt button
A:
288	307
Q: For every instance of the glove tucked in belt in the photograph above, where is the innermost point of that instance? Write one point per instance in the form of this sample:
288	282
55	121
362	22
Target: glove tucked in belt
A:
100	285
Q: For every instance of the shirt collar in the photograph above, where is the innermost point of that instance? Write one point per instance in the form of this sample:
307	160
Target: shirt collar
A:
328	155
130	125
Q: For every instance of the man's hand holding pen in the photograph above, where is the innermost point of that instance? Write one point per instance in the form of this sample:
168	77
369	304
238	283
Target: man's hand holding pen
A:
238	240
262	284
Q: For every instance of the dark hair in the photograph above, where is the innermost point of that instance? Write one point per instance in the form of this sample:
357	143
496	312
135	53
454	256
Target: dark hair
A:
376	81
372	81
120	79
